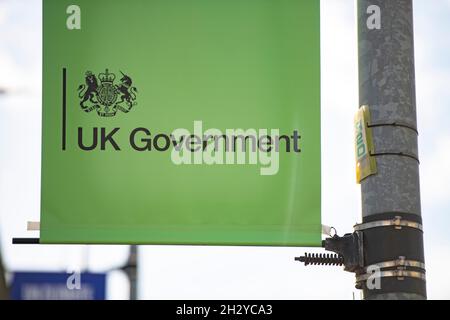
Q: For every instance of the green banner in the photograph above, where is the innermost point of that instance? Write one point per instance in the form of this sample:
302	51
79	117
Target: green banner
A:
181	122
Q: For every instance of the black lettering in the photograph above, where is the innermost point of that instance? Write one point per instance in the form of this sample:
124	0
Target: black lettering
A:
94	140
216	143
265	141
193	143
167	142
104	138
148	141
177	144
287	139
296	138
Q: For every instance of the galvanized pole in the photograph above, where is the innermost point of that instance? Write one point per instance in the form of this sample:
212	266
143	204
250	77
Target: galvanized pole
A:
393	235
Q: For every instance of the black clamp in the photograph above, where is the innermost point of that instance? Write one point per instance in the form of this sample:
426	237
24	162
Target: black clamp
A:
347	249
348	252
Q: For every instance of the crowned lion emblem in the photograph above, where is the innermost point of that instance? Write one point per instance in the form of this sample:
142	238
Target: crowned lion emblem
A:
105	96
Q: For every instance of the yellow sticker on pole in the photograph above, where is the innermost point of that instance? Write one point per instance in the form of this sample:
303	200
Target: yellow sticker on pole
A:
365	162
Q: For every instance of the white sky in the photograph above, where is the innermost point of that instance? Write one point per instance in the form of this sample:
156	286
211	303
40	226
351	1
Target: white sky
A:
225	272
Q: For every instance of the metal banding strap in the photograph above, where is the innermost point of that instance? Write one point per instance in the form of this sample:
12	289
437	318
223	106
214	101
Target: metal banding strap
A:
401	262
394	124
389	152
403	154
397	222
392	273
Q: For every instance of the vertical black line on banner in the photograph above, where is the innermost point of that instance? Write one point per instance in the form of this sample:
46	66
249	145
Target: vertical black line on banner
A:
64	108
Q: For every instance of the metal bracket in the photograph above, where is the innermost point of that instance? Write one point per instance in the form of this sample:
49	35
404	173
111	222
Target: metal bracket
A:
348	251
350	247
397	222
25	240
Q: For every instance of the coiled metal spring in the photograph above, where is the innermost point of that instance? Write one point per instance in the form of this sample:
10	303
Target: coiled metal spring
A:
321	259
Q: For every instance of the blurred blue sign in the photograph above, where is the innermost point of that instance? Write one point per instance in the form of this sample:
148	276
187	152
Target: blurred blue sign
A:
58	286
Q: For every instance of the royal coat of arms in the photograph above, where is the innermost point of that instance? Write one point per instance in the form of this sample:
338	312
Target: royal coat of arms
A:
107	98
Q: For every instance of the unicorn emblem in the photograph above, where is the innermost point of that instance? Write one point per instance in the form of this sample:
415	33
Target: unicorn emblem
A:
106	97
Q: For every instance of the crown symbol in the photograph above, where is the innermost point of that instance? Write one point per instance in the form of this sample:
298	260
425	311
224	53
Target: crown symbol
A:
107	77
